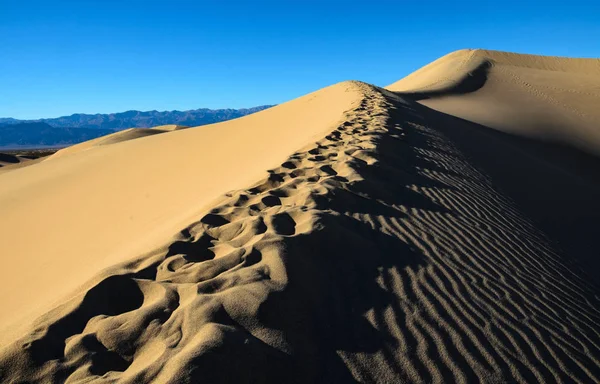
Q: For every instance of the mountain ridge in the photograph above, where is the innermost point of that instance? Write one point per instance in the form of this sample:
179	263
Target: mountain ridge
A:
40	134
140	119
78	127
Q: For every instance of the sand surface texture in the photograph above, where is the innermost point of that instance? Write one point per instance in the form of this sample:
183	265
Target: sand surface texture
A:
387	242
548	98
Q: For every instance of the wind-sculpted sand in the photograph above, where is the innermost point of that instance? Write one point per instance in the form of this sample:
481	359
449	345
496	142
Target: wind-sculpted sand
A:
101	205
118	137
554	99
389	249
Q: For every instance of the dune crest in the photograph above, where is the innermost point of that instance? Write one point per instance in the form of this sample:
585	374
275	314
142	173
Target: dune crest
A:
113	138
117	137
380	252
543	97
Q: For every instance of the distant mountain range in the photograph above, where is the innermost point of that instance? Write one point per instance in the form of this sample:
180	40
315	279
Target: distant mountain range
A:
68	130
44	135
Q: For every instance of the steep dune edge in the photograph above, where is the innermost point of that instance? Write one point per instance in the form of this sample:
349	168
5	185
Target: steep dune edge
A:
65	219
543	97
381	253
170	127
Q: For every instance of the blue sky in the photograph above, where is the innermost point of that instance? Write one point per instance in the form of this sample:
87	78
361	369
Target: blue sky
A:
63	57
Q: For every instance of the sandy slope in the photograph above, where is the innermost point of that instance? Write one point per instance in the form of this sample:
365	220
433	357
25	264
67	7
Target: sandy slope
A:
118	137
10	161
7	159
73	215
386	243
551	98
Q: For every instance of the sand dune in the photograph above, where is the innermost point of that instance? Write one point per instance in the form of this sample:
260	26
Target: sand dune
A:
10	162
549	98
386	243
22	158
112	202
10	159
118	137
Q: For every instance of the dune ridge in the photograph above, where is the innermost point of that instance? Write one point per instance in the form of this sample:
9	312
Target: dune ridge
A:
381	253
113	138
542	97
118	137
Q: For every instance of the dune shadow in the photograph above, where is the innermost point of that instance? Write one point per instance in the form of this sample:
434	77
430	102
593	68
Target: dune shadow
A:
333	283
555	186
338	273
470	82
112	296
8	158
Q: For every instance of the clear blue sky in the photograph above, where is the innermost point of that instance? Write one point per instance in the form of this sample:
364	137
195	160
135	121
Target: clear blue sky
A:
64	57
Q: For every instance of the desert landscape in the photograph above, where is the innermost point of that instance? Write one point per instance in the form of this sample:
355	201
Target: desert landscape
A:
440	229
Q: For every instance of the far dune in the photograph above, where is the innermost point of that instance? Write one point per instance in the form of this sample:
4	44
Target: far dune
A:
550	98
16	159
9	159
113	138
